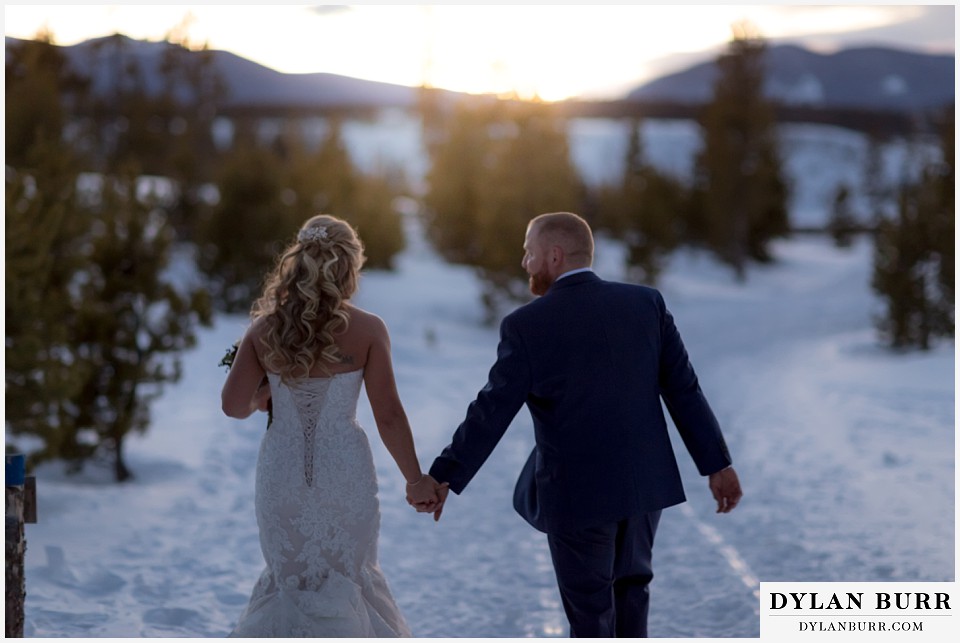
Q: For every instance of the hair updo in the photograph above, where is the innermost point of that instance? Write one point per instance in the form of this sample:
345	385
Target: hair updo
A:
303	298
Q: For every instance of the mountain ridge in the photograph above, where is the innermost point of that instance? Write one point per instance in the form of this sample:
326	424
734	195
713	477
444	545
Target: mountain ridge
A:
877	78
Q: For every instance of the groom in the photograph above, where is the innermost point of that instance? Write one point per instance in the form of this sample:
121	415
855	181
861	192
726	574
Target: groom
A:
592	359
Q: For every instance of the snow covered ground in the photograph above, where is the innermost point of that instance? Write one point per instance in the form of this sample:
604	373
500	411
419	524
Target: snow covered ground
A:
846	451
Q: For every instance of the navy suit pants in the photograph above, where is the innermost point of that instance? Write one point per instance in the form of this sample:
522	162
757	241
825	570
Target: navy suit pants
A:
604	575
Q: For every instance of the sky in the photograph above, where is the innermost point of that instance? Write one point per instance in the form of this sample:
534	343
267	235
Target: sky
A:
548	51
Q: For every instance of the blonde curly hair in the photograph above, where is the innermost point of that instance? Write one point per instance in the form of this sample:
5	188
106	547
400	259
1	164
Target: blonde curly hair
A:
302	305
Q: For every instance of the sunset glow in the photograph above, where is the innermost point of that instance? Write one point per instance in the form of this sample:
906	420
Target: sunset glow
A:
546	51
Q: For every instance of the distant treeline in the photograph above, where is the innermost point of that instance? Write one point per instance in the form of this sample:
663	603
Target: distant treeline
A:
883	123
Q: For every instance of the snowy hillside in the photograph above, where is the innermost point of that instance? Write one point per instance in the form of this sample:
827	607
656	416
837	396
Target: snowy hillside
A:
817	158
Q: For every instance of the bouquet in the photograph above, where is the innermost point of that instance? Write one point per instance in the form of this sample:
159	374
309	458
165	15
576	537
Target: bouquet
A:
231	355
227	361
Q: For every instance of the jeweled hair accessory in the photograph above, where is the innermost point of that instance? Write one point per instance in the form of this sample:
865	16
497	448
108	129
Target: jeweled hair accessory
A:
316	233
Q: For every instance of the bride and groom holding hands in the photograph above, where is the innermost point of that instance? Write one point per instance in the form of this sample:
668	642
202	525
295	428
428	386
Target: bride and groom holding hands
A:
591	359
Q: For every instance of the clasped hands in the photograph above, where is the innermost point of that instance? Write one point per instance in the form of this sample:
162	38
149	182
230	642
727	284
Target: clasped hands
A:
427	495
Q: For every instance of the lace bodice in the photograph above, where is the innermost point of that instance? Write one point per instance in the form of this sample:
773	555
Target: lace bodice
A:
332	400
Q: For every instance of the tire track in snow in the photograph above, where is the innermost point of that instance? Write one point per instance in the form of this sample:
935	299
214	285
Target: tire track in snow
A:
734	560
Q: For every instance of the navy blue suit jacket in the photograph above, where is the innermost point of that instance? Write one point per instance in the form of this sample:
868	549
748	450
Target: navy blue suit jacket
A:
591	359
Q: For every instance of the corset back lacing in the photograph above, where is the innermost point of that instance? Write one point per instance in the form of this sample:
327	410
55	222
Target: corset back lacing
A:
308	397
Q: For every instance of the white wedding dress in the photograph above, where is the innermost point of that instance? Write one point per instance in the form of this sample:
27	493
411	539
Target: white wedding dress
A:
319	519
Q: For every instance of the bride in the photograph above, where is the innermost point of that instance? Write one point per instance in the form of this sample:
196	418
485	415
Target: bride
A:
307	352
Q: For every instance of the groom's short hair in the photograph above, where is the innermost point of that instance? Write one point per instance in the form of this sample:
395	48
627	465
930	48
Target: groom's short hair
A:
568	230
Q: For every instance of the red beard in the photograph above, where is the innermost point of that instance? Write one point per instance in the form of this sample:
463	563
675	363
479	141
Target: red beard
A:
540	282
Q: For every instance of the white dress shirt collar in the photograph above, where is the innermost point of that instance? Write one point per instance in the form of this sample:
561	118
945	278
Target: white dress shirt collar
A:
573	272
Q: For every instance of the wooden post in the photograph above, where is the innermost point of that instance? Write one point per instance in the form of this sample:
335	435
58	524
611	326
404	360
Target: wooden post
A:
21	507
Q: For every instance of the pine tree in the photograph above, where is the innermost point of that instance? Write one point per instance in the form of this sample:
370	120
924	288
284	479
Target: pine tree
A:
328	181
738	172
645	211
914	255
89	311
531	173
941	178
40	90
324	180
433	116
875	187
131	322
902	272
843	223
44	227
129	121
194	91
498	165
249	224
375	217
268	188
461	157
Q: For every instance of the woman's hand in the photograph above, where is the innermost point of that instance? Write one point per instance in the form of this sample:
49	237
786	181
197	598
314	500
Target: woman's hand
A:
424	494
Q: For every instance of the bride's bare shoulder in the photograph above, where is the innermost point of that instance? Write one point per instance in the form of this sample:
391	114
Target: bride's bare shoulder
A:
366	323
258	325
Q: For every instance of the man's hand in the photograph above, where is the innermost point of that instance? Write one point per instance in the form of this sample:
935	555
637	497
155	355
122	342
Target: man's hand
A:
725	487
442	492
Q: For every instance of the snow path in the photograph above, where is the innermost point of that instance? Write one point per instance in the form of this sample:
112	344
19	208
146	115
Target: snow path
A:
846	454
